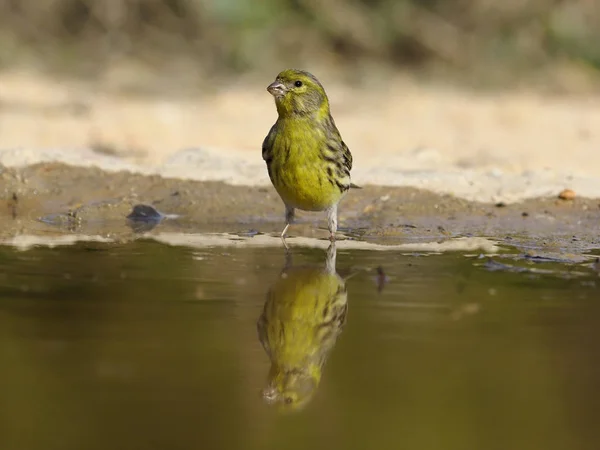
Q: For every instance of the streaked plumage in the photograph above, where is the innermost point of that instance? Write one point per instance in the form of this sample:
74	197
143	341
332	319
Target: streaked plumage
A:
308	162
304	313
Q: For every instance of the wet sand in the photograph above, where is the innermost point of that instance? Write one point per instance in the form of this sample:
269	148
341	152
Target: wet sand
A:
56	199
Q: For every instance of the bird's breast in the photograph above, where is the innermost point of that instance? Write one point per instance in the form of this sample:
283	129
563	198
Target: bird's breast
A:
300	174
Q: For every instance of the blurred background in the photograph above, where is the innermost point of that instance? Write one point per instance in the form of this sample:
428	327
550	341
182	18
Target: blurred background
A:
89	69
481	41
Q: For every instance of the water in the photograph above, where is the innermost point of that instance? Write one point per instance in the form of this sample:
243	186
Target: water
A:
149	346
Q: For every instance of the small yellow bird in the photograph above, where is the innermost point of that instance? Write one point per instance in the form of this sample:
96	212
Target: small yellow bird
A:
304	313
308	162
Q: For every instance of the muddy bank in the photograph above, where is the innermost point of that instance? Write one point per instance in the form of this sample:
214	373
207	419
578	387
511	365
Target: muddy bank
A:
50	199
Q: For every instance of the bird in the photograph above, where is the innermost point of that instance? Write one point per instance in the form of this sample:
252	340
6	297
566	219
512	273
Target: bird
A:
307	161
304	313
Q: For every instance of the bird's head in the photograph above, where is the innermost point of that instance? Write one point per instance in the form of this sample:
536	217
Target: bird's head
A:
291	390
299	93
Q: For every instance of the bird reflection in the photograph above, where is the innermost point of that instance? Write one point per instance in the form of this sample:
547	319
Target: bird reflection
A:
304	313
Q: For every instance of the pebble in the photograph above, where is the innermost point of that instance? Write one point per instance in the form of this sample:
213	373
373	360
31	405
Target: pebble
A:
567	194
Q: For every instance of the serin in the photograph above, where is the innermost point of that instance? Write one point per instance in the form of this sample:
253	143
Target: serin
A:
303	315
308	162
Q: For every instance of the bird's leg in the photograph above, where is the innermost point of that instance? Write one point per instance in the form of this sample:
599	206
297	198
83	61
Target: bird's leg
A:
283	236
288	259
332	222
331	257
289	219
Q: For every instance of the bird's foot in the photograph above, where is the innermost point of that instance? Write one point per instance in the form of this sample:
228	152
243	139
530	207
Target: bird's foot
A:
282	235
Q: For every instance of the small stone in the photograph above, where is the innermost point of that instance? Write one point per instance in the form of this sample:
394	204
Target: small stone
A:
144	218
567	194
144	212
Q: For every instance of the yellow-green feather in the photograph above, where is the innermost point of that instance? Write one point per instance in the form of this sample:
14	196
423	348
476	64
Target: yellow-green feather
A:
298	171
308	163
303	315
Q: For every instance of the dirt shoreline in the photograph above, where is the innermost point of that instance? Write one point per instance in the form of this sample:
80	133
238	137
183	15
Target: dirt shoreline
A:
53	199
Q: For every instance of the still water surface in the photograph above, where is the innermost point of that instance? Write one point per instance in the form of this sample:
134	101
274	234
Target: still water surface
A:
147	346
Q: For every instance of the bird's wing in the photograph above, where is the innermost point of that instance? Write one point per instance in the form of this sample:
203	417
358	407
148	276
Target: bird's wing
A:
267	145
336	141
347	156
261	327
347	159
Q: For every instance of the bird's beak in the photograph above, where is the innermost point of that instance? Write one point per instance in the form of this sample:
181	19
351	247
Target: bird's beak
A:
277	89
269	394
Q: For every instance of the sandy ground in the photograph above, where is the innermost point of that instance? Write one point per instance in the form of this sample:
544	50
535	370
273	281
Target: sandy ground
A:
437	165
483	147
54	200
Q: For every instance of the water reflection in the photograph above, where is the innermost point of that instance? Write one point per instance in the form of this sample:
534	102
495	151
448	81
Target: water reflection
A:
304	313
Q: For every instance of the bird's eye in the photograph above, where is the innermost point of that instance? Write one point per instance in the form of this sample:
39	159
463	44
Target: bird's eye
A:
298	83
289	400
